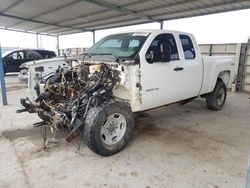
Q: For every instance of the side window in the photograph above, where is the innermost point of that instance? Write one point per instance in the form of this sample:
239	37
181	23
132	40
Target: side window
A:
51	54
33	55
188	47
16	55
156	45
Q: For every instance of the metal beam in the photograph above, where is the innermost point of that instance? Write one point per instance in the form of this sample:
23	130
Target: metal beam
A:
37	41
54	30
119	23
37	27
29	32
187	3
93	22
36	21
12	5
101	12
49	11
142	14
161	25
93	32
68	33
3	86
229	3
129	4
115	7
109	27
172	5
166	6
58	45
175	17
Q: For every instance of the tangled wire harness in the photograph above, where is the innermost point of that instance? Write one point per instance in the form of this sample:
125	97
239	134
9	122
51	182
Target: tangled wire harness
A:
70	93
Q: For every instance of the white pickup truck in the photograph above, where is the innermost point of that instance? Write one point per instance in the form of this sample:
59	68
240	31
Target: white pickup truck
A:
130	72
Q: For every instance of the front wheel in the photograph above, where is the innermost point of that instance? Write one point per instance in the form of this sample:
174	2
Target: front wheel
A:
216	99
109	127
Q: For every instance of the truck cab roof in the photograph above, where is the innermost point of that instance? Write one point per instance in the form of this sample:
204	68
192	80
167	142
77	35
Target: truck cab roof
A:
155	31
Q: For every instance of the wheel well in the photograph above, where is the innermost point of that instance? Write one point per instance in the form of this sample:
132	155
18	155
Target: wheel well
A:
224	76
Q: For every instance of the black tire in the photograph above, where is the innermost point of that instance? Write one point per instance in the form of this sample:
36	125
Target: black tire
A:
97	118
216	100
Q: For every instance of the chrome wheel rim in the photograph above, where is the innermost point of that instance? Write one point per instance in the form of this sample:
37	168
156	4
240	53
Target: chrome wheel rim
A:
113	129
220	96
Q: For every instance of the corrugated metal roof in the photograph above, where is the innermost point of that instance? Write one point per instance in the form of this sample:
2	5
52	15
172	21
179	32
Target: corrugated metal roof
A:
60	17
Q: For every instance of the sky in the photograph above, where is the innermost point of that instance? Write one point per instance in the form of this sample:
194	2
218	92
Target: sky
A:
229	27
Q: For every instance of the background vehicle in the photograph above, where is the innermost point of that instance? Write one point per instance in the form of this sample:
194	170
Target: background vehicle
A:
125	73
13	59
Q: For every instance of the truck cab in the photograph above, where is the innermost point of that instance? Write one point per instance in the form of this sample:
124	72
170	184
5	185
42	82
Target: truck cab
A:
167	68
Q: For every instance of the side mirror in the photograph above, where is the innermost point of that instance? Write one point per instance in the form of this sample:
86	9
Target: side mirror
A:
150	57
165	50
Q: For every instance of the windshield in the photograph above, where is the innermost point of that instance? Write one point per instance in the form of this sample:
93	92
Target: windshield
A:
120	45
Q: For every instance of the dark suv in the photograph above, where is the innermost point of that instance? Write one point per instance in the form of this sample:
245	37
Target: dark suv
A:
13	59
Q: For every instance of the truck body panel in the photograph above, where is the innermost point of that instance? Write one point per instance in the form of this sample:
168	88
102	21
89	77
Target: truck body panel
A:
213	67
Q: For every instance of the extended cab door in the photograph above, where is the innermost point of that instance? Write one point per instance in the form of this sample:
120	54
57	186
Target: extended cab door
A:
168	82
191	61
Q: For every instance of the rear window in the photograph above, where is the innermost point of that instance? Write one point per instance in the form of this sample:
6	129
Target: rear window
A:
188	47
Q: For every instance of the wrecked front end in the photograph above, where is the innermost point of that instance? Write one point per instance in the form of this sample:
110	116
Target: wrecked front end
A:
70	93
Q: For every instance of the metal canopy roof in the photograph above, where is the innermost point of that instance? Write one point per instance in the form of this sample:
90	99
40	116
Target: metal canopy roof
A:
60	17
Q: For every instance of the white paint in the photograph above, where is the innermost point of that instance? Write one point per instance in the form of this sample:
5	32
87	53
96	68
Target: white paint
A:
160	84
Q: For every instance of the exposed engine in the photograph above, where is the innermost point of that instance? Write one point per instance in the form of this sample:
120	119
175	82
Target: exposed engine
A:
70	93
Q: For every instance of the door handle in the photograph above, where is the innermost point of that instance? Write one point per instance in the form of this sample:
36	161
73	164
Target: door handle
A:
178	68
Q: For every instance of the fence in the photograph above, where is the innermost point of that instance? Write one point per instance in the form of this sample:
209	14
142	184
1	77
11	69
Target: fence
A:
241	51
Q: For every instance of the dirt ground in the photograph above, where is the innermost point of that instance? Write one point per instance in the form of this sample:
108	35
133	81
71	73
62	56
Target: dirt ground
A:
172	147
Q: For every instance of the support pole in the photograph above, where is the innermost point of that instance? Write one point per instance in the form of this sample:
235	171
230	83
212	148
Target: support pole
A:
93	36
37	41
3	86
161	24
234	78
57	45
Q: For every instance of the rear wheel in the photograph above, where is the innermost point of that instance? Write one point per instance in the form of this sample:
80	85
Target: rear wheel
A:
217	99
109	127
